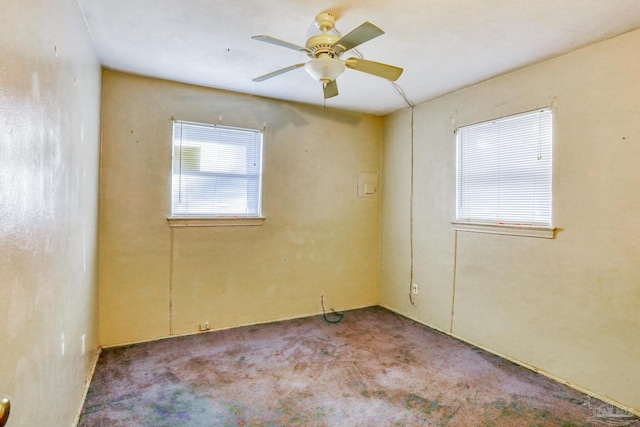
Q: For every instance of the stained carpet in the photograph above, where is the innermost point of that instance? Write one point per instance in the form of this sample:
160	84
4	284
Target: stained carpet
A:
375	368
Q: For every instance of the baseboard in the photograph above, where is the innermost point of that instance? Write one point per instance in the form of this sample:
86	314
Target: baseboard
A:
584	390
242	325
86	386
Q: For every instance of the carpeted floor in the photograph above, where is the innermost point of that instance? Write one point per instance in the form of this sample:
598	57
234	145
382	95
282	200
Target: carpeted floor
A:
375	368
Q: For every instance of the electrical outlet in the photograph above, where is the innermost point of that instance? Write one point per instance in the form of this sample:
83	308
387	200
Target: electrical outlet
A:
415	290
204	326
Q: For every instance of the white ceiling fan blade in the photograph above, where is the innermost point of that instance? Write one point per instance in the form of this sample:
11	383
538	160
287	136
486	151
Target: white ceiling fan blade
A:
278	72
278	42
331	89
379	69
363	33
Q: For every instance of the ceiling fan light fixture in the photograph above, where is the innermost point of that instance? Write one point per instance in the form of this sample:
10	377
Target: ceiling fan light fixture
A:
324	69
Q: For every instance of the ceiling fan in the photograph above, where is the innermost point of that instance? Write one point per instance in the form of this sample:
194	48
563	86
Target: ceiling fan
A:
325	50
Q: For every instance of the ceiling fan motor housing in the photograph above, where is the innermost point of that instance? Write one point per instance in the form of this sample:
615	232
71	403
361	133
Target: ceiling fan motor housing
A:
322	43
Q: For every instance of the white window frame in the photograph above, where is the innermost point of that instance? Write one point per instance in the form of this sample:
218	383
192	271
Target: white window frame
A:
248	141
503	214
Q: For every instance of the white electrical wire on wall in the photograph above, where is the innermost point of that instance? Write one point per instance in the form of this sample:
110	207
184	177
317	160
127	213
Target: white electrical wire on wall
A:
412	298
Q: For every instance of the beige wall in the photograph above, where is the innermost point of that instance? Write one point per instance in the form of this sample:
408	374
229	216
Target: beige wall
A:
568	306
318	238
49	147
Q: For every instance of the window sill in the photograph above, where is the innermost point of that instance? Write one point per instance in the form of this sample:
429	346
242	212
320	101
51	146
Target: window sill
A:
215	222
510	230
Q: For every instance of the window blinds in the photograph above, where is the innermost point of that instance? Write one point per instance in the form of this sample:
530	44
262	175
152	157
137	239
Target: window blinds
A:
216	171
504	170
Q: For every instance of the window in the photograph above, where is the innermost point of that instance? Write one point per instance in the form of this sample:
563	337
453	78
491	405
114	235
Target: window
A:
216	171
504	171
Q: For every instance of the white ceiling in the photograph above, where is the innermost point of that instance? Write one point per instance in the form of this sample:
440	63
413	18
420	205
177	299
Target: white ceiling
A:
443	45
